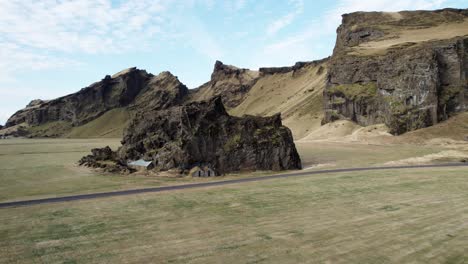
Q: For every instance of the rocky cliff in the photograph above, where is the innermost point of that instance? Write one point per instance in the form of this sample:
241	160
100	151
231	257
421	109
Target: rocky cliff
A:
401	69
133	89
227	81
204	134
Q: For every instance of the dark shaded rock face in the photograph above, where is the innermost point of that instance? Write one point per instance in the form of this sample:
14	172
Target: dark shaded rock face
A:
229	82
106	160
297	66
408	87
131	88
203	134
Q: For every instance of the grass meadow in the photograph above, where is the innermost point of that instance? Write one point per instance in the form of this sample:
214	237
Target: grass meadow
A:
395	216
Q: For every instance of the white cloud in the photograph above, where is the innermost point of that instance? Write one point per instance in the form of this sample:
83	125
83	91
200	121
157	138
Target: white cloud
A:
303	43
46	34
37	35
195	34
287	19
87	26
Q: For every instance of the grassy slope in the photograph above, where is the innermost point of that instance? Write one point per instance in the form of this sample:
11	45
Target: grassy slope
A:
414	36
298	97
451	131
410	216
455	128
109	125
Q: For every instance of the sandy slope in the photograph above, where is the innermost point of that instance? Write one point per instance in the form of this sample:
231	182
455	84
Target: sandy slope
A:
296	95
414	36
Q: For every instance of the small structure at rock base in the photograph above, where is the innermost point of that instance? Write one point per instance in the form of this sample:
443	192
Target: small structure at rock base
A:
202	172
140	164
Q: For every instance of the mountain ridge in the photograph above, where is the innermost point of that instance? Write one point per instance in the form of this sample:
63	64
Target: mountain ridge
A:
405	69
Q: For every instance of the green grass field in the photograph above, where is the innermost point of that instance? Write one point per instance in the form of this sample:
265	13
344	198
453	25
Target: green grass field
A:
398	216
37	168
409	216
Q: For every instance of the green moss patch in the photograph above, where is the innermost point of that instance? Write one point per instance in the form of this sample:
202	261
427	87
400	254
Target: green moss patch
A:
232	143
355	91
449	93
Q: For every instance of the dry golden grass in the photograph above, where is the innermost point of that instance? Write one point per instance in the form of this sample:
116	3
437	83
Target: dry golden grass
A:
439	32
355	154
297	96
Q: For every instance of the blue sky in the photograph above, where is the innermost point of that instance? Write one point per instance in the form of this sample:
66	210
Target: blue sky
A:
52	48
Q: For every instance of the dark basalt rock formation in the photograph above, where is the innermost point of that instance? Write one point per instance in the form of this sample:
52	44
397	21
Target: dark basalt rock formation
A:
410	86
105	159
203	134
132	88
229	82
297	66
90	102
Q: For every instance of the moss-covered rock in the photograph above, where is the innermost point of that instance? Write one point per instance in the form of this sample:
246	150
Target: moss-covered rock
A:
204	134
407	87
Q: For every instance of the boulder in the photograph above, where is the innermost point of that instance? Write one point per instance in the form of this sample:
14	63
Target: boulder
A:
106	160
204	134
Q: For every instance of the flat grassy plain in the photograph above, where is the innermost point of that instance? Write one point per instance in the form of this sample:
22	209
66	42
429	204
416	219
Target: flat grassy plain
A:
400	216
37	168
414	215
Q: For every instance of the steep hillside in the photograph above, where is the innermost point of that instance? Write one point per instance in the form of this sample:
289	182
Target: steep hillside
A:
407	69
295	92
110	125
227	81
93	111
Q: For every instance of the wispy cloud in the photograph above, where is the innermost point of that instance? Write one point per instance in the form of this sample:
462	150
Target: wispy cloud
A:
50	34
89	26
305	41
277	25
195	33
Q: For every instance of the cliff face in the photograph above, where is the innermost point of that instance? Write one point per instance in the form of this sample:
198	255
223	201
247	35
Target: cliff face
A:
88	103
296	92
133	89
203	133
396	71
229	82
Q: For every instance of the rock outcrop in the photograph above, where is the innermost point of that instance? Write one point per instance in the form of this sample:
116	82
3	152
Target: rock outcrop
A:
406	85
297	66
204	134
229	82
90	102
106	160
134	89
